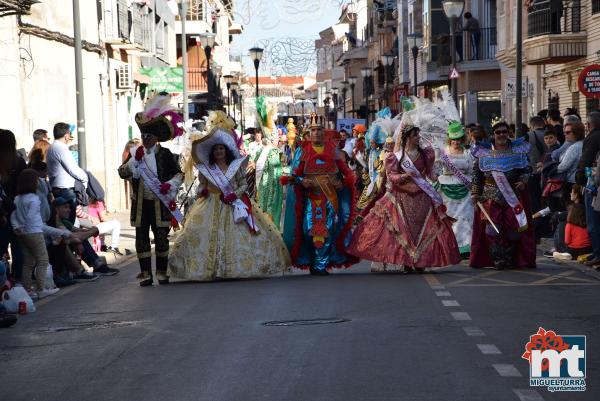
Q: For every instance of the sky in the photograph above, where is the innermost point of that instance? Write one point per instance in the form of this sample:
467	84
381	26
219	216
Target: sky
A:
286	29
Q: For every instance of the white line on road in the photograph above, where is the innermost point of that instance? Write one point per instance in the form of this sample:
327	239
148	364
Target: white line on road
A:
528	394
438	287
442	293
450	302
506	370
460	316
472	331
489	349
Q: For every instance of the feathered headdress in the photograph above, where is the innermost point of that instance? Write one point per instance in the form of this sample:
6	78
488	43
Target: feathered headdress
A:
160	118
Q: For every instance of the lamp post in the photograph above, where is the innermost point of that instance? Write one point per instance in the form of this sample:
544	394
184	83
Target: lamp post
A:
234	88
519	72
453	10
184	58
207	41
326	102
387	60
352	81
228	80
242	119
367	73
256	54
415	40
344	92
335	92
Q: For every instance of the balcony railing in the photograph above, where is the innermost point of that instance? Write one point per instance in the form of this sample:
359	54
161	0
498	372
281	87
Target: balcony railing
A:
197	79
480	46
595	6
124	19
545	19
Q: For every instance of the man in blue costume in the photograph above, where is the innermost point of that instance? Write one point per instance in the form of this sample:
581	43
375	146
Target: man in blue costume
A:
320	204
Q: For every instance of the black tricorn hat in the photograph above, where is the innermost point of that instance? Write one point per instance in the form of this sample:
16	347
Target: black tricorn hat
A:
160	126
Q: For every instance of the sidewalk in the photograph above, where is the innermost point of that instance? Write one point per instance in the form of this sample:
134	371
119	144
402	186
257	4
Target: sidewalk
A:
127	242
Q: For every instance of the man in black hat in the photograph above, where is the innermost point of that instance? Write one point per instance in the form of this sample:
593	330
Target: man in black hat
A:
155	176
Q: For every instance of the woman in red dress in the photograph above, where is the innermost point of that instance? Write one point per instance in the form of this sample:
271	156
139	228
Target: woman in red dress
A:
408	225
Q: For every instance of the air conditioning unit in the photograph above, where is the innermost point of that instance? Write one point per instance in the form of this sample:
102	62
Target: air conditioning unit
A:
124	77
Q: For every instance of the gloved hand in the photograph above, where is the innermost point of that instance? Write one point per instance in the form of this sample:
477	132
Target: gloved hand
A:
165	187
139	153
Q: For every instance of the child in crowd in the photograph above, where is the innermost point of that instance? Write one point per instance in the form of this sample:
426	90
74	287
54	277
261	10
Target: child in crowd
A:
97	214
576	240
28	225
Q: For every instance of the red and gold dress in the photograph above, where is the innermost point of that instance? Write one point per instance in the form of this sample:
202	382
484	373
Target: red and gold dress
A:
404	227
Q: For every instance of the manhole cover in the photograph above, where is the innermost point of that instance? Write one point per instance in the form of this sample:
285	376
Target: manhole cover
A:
306	322
92	326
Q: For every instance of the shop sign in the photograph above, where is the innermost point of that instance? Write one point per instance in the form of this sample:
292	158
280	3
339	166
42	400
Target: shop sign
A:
348	123
589	81
510	89
164	79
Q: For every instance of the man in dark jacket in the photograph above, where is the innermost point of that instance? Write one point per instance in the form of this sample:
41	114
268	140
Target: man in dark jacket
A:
591	147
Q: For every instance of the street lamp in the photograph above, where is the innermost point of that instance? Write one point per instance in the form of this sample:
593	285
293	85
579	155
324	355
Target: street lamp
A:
207	41
228	80
453	10
184	59
234	88
335	92
326	102
344	92
366	73
352	81
256	54
415	40
387	60
242	119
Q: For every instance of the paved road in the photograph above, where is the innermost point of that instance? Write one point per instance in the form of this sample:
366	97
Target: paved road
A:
112	340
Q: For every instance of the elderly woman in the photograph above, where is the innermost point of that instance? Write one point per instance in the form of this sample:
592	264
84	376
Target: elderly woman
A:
569	160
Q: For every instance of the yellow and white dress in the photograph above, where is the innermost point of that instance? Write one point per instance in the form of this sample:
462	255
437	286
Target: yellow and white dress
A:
213	246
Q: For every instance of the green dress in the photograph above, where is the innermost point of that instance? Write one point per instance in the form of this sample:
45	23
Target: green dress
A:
269	192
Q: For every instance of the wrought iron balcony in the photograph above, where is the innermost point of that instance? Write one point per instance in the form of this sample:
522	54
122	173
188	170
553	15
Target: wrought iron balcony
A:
15	7
555	34
197	80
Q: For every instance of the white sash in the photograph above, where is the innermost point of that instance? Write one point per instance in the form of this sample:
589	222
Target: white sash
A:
511	198
409	166
372	172
466	181
215	175
152	182
260	163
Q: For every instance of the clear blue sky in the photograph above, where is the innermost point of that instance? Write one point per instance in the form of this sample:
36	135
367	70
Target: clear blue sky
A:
271	23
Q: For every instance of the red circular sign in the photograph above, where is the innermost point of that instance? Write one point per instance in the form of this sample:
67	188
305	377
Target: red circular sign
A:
589	81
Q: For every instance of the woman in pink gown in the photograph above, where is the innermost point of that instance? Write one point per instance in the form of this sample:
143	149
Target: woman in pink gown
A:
407	226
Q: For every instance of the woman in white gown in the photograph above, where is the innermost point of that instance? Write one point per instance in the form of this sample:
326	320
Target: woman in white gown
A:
457	169
225	235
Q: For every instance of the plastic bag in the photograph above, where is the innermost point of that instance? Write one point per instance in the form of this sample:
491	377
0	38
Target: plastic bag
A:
11	299
50	275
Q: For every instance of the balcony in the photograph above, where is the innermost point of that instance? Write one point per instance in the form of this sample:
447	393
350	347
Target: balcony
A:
555	35
197	80
479	50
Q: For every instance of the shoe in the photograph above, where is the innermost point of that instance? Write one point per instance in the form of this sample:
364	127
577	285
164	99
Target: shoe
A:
162	278
63	281
549	253
592	262
145	279
420	270
104	270
562	256
85	277
408	270
113	250
46	292
319	272
33	295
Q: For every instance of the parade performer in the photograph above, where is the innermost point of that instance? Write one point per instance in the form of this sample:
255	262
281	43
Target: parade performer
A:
408	225
502	234
323	204
225	235
155	176
455	185
267	162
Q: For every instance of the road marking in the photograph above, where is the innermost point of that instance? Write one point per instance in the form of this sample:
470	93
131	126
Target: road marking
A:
460	316
506	370
433	282
442	293
450	302
473	331
528	394
489	349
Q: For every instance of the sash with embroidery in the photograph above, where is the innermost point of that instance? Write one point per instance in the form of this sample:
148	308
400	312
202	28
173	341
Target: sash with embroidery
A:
373	173
152	182
511	198
242	211
466	181
409	167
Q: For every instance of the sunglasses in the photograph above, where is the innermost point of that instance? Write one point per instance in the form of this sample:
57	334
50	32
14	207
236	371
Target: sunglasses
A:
501	131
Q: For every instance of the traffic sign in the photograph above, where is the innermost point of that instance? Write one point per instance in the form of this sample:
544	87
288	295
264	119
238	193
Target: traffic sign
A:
454	74
589	81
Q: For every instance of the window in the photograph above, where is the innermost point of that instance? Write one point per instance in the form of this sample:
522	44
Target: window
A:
592	105
595	6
